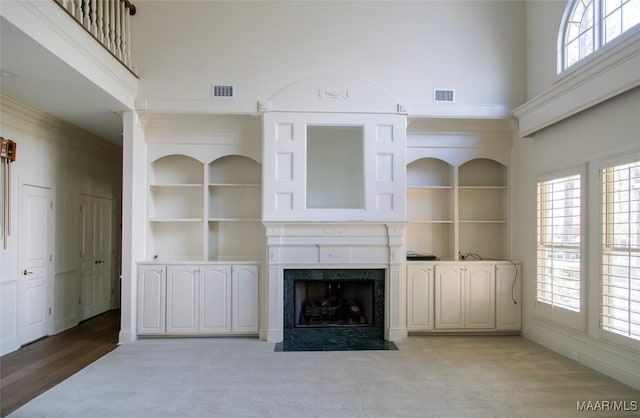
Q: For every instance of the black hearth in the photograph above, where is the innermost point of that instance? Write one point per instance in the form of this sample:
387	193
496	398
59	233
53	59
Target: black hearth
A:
334	309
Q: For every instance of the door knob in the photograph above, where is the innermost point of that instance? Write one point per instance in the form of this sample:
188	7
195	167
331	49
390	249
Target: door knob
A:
27	273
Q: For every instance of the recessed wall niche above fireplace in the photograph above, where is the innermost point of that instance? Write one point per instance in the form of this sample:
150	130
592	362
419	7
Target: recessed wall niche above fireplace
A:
334	309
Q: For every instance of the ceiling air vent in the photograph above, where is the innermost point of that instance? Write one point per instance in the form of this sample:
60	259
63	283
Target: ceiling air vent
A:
222	91
444	96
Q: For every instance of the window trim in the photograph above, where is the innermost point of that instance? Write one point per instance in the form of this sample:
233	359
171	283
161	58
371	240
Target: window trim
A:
605	335
555	314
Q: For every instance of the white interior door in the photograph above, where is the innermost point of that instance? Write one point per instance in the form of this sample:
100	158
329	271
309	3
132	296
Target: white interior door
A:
96	255
104	247
35	258
88	256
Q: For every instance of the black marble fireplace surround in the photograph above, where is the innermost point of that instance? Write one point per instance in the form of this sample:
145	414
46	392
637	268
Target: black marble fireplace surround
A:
327	319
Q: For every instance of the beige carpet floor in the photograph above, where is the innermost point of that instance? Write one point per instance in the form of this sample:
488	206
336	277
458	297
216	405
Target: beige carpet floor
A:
435	376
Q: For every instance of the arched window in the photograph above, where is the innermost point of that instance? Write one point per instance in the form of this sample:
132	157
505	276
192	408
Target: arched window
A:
590	24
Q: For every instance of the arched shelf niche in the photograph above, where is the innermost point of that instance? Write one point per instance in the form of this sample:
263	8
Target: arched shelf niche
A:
176	208
431	208
234	227
483	198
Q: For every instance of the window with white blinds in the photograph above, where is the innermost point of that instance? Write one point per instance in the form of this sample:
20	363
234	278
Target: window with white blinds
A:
558	239
621	250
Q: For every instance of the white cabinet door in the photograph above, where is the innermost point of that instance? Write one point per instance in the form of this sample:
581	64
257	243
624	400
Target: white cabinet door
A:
479	290
215	299
151	299
508	285
419	297
449	297
182	299
245	299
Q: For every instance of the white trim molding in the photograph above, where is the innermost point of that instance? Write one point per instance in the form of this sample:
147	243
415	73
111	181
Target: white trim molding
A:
50	26
612	71
29	119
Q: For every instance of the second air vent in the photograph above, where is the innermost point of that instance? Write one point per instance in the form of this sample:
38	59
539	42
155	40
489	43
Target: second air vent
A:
444	96
222	91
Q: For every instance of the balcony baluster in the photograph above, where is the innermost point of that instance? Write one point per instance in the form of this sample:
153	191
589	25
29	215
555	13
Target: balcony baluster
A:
108	21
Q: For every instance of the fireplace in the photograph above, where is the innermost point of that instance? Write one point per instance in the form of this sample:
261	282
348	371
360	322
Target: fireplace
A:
334	309
364	261
333	303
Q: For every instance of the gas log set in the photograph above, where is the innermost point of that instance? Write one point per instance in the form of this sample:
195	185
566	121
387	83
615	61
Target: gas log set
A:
332	310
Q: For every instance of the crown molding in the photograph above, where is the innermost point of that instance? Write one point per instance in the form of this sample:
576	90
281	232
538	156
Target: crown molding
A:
612	72
34	121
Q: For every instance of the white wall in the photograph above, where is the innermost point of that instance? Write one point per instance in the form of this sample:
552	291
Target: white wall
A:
543	23
407	48
605	130
53	154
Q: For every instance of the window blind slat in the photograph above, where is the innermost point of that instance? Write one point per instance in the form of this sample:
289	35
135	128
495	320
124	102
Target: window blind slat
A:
558	222
620	312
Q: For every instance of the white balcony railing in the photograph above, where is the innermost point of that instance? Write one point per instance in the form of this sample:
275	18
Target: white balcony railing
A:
109	21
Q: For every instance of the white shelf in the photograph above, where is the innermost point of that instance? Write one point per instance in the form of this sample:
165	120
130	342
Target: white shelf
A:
176	220
483	222
415	221
235	185
482	188
176	185
234	219
429	187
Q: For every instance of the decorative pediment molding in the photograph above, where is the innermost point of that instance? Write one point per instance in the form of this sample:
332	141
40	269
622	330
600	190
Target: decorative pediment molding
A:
332	94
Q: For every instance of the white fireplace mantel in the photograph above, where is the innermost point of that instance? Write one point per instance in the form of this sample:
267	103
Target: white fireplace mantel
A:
335	246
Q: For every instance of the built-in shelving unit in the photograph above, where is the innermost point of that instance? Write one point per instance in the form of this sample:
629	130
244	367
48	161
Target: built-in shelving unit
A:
234	228
482	203
430	207
457	209
176	207
205	212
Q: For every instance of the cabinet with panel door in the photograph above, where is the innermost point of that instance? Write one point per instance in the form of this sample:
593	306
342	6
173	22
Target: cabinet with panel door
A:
463	296
420	300
196	299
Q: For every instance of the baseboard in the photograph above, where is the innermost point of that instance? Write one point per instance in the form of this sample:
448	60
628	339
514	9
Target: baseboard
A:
618	372
9	345
126	337
396	334
61	326
275	336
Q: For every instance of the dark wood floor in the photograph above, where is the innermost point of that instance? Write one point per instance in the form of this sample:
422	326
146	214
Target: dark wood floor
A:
37	367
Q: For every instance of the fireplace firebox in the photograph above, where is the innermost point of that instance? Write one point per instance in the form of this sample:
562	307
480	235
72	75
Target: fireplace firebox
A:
334	309
333	303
